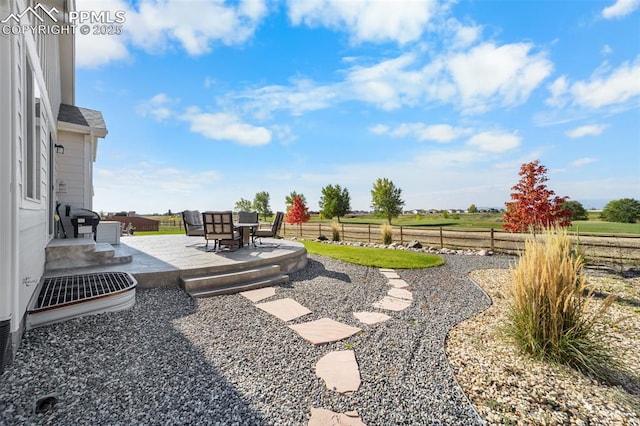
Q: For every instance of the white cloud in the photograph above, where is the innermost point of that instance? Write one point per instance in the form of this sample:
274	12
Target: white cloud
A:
182	188
366	20
619	86
224	126
96	50
301	96
559	92
583	161
284	134
495	141
462	35
607	50
483	78
620	8
435	132
158	107
388	84
379	129
589	130
606	87
158	25
504	75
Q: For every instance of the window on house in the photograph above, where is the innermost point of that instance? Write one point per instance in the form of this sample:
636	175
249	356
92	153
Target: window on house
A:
32	135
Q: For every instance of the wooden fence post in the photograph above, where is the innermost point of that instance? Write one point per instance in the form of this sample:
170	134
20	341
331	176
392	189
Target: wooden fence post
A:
492	244
342	225
369	229
319	228
401	237
441	242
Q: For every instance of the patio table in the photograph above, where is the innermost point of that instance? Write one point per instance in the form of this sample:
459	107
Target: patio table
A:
246	230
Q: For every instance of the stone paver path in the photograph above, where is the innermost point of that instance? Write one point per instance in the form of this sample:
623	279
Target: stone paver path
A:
392	304
371	317
390	275
259	294
400	294
339	370
324	330
398	283
323	417
285	309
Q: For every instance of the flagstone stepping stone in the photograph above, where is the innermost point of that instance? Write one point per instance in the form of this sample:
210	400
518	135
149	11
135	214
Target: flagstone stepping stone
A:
285	309
400	293
324	417
371	317
386	270
390	274
259	294
398	283
324	330
339	370
392	304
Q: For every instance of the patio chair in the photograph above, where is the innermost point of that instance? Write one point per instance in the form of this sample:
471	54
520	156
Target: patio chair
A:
192	220
274	231
218	226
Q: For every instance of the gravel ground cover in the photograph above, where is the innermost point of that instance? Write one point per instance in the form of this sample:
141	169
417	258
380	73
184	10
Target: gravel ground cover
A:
510	388
175	360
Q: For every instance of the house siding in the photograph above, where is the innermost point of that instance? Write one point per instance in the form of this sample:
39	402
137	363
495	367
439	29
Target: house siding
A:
71	170
24	230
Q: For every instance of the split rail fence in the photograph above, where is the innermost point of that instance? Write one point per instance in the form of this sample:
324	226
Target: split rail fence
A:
596	247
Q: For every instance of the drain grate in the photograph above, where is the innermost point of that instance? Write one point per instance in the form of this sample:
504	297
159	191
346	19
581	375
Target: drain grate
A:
71	289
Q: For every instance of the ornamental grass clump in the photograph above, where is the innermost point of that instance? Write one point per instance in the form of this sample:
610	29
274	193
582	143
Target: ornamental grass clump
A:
549	315
335	232
387	234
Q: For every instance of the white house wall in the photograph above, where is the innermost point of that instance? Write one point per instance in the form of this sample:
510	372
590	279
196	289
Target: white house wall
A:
71	169
8	208
24	221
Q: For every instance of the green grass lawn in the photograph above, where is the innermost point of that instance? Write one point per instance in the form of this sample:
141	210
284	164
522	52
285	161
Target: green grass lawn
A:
379	258
490	220
602	227
164	230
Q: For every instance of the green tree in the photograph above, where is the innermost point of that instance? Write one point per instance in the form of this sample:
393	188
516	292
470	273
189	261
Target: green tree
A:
261	204
385	199
577	210
289	198
472	209
626	210
243	205
334	201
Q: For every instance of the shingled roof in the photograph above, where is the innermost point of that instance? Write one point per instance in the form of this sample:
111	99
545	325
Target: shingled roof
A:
81	116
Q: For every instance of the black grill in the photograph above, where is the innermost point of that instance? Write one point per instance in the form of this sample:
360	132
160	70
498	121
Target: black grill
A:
71	289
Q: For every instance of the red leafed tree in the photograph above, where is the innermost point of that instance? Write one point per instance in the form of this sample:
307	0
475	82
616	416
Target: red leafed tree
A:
298	213
533	205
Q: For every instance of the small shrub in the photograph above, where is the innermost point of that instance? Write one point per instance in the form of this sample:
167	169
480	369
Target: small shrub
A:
335	232
445	215
549	316
456	216
387	234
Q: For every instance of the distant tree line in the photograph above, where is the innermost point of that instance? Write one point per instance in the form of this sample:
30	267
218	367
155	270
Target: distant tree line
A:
533	206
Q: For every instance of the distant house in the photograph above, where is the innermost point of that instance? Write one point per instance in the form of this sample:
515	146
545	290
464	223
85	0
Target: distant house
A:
48	146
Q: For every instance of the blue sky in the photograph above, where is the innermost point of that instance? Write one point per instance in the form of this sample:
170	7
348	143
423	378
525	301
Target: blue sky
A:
208	102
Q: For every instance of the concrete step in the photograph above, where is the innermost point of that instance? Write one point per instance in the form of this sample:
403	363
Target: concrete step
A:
82	255
68	248
210	282
238	287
